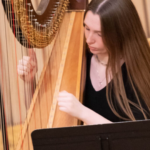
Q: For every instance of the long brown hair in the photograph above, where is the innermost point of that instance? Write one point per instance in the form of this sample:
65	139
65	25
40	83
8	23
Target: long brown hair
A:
123	36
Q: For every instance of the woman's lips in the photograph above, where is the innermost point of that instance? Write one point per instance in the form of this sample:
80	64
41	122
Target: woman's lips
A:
92	48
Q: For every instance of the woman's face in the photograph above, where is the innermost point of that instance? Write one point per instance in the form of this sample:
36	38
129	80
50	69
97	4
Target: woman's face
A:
92	30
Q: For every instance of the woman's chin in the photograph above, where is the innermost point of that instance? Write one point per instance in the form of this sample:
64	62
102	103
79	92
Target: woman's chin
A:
95	52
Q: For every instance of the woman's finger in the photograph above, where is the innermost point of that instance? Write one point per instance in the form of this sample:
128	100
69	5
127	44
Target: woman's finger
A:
62	104
21	72
30	61
64	93
63	109
63	98
23	62
23	68
27	64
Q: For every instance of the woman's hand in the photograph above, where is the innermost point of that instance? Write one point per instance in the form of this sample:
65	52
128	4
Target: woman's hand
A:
27	66
68	103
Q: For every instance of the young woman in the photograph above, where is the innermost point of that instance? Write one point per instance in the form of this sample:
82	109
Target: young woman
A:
118	66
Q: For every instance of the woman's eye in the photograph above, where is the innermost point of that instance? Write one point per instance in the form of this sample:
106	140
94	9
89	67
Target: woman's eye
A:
99	34
87	29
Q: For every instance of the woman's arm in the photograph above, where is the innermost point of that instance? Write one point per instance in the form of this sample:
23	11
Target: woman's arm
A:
69	104
90	117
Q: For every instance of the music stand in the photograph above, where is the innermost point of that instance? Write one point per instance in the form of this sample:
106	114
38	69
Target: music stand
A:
116	136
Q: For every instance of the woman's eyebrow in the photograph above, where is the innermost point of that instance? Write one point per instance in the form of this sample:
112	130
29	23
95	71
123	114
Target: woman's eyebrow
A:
88	27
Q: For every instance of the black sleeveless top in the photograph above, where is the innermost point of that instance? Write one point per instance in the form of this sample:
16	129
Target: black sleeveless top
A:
96	100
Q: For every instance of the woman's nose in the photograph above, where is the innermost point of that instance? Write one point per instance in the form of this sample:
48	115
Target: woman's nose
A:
90	39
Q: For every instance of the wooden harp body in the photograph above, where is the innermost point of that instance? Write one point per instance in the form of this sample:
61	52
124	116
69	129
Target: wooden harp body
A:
62	68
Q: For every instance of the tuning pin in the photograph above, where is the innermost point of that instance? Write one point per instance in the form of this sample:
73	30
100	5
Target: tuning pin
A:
32	16
36	23
29	4
49	21
44	26
31	10
34	20
51	17
57	3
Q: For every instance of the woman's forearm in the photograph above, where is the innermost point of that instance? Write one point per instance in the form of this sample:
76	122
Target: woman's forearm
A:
89	117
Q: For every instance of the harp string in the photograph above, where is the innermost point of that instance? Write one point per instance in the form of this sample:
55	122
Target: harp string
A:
15	44
2	126
4	122
42	91
45	50
9	97
2	116
26	88
37	78
4	129
30	88
18	91
48	72
30	54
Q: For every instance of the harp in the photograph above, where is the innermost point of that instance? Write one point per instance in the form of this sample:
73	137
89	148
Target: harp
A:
56	35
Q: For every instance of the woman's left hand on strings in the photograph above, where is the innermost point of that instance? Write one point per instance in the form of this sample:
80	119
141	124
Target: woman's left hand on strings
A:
27	66
68	103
